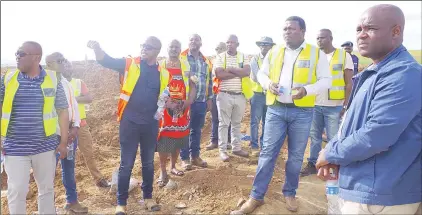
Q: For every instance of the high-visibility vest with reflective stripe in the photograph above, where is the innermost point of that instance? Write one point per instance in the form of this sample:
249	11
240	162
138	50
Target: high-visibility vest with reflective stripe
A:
256	87
11	85
184	58
304	72
77	88
246	81
129	80
185	74
337	64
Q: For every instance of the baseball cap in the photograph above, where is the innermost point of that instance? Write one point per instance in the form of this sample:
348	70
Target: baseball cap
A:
348	43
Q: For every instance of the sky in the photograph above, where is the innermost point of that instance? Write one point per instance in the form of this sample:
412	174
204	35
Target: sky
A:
120	27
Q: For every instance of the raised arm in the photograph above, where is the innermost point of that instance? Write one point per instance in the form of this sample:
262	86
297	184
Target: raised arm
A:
116	64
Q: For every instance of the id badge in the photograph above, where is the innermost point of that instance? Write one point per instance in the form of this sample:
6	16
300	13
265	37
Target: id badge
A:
49	92
337	67
303	63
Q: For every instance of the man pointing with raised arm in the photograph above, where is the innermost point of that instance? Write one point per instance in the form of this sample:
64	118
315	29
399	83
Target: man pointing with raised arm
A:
140	87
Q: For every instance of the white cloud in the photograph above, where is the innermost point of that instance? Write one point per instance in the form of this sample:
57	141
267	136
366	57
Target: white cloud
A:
121	26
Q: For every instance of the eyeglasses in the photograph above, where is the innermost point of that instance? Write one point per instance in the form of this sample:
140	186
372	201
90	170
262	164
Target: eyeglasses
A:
22	54
148	47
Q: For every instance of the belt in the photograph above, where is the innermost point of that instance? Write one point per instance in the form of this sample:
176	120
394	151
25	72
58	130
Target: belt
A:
230	92
289	105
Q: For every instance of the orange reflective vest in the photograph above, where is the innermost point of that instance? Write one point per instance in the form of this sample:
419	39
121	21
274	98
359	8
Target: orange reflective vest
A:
130	78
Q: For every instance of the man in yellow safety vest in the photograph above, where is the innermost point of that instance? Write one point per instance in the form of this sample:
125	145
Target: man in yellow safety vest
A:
258	106
292	75
331	104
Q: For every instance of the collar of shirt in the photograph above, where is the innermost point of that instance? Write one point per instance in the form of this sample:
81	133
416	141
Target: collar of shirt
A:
377	67
302	46
42	74
200	55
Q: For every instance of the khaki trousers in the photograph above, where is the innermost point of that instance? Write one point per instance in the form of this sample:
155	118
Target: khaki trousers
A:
18	170
85	147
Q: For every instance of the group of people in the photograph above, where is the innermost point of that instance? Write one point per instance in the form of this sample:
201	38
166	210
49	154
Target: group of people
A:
299	90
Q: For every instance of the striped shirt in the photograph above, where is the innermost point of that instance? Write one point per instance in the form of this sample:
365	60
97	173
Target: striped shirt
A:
234	84
26	135
199	68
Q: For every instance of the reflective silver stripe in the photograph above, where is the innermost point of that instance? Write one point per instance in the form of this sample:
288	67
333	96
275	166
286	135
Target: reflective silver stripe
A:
5	116
337	88
339	76
299	85
240	58
341	57
312	62
9	76
53	77
275	55
124	97
49	115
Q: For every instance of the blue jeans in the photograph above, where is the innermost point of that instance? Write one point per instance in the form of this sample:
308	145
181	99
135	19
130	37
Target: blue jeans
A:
258	111
132	136
279	121
214	127
324	117
197	120
68	175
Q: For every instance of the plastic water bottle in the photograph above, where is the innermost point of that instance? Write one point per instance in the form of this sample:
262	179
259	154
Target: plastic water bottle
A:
331	190
70	151
161	102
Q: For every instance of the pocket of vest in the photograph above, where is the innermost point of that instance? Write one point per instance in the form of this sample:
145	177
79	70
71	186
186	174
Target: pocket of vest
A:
337	67
49	92
303	63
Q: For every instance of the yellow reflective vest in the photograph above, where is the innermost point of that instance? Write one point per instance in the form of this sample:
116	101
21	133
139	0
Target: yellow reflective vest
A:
129	80
337	64
77	89
256	87
304	72
246	81
11	85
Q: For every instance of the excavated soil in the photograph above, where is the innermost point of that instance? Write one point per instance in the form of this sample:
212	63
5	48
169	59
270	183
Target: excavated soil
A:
214	190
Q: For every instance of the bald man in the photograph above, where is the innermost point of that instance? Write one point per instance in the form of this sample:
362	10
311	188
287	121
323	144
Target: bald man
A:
378	147
233	86
141	82
33	102
330	104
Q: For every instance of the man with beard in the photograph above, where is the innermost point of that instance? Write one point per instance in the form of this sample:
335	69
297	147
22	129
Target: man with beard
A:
201	70
143	81
377	152
258	106
292	75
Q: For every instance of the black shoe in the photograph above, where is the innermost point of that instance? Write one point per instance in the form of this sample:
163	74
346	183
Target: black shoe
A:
309	169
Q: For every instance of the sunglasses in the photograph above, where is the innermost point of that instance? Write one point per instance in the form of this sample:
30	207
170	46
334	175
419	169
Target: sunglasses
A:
148	47
22	54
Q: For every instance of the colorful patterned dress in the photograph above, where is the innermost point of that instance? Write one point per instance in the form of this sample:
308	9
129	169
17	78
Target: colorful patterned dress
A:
174	135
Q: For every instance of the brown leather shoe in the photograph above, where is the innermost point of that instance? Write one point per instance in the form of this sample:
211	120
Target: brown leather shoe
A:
76	208
291	203
187	165
255	152
241	153
224	156
199	162
120	210
248	207
211	146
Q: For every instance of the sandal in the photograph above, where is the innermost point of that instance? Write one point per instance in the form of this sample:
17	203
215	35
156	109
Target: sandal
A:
177	172
162	182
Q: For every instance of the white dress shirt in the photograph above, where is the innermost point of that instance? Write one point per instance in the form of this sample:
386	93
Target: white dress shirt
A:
73	110
323	75
322	98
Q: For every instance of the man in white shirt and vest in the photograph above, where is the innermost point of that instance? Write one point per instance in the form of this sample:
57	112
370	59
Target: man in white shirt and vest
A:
330	104
292	75
258	106
57	62
232	83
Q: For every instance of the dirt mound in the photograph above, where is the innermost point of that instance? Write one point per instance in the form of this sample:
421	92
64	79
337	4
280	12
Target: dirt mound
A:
215	190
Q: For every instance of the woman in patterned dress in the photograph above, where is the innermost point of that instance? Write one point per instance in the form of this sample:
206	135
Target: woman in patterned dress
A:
174	125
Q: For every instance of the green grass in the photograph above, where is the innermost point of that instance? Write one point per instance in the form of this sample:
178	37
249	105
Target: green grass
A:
363	61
